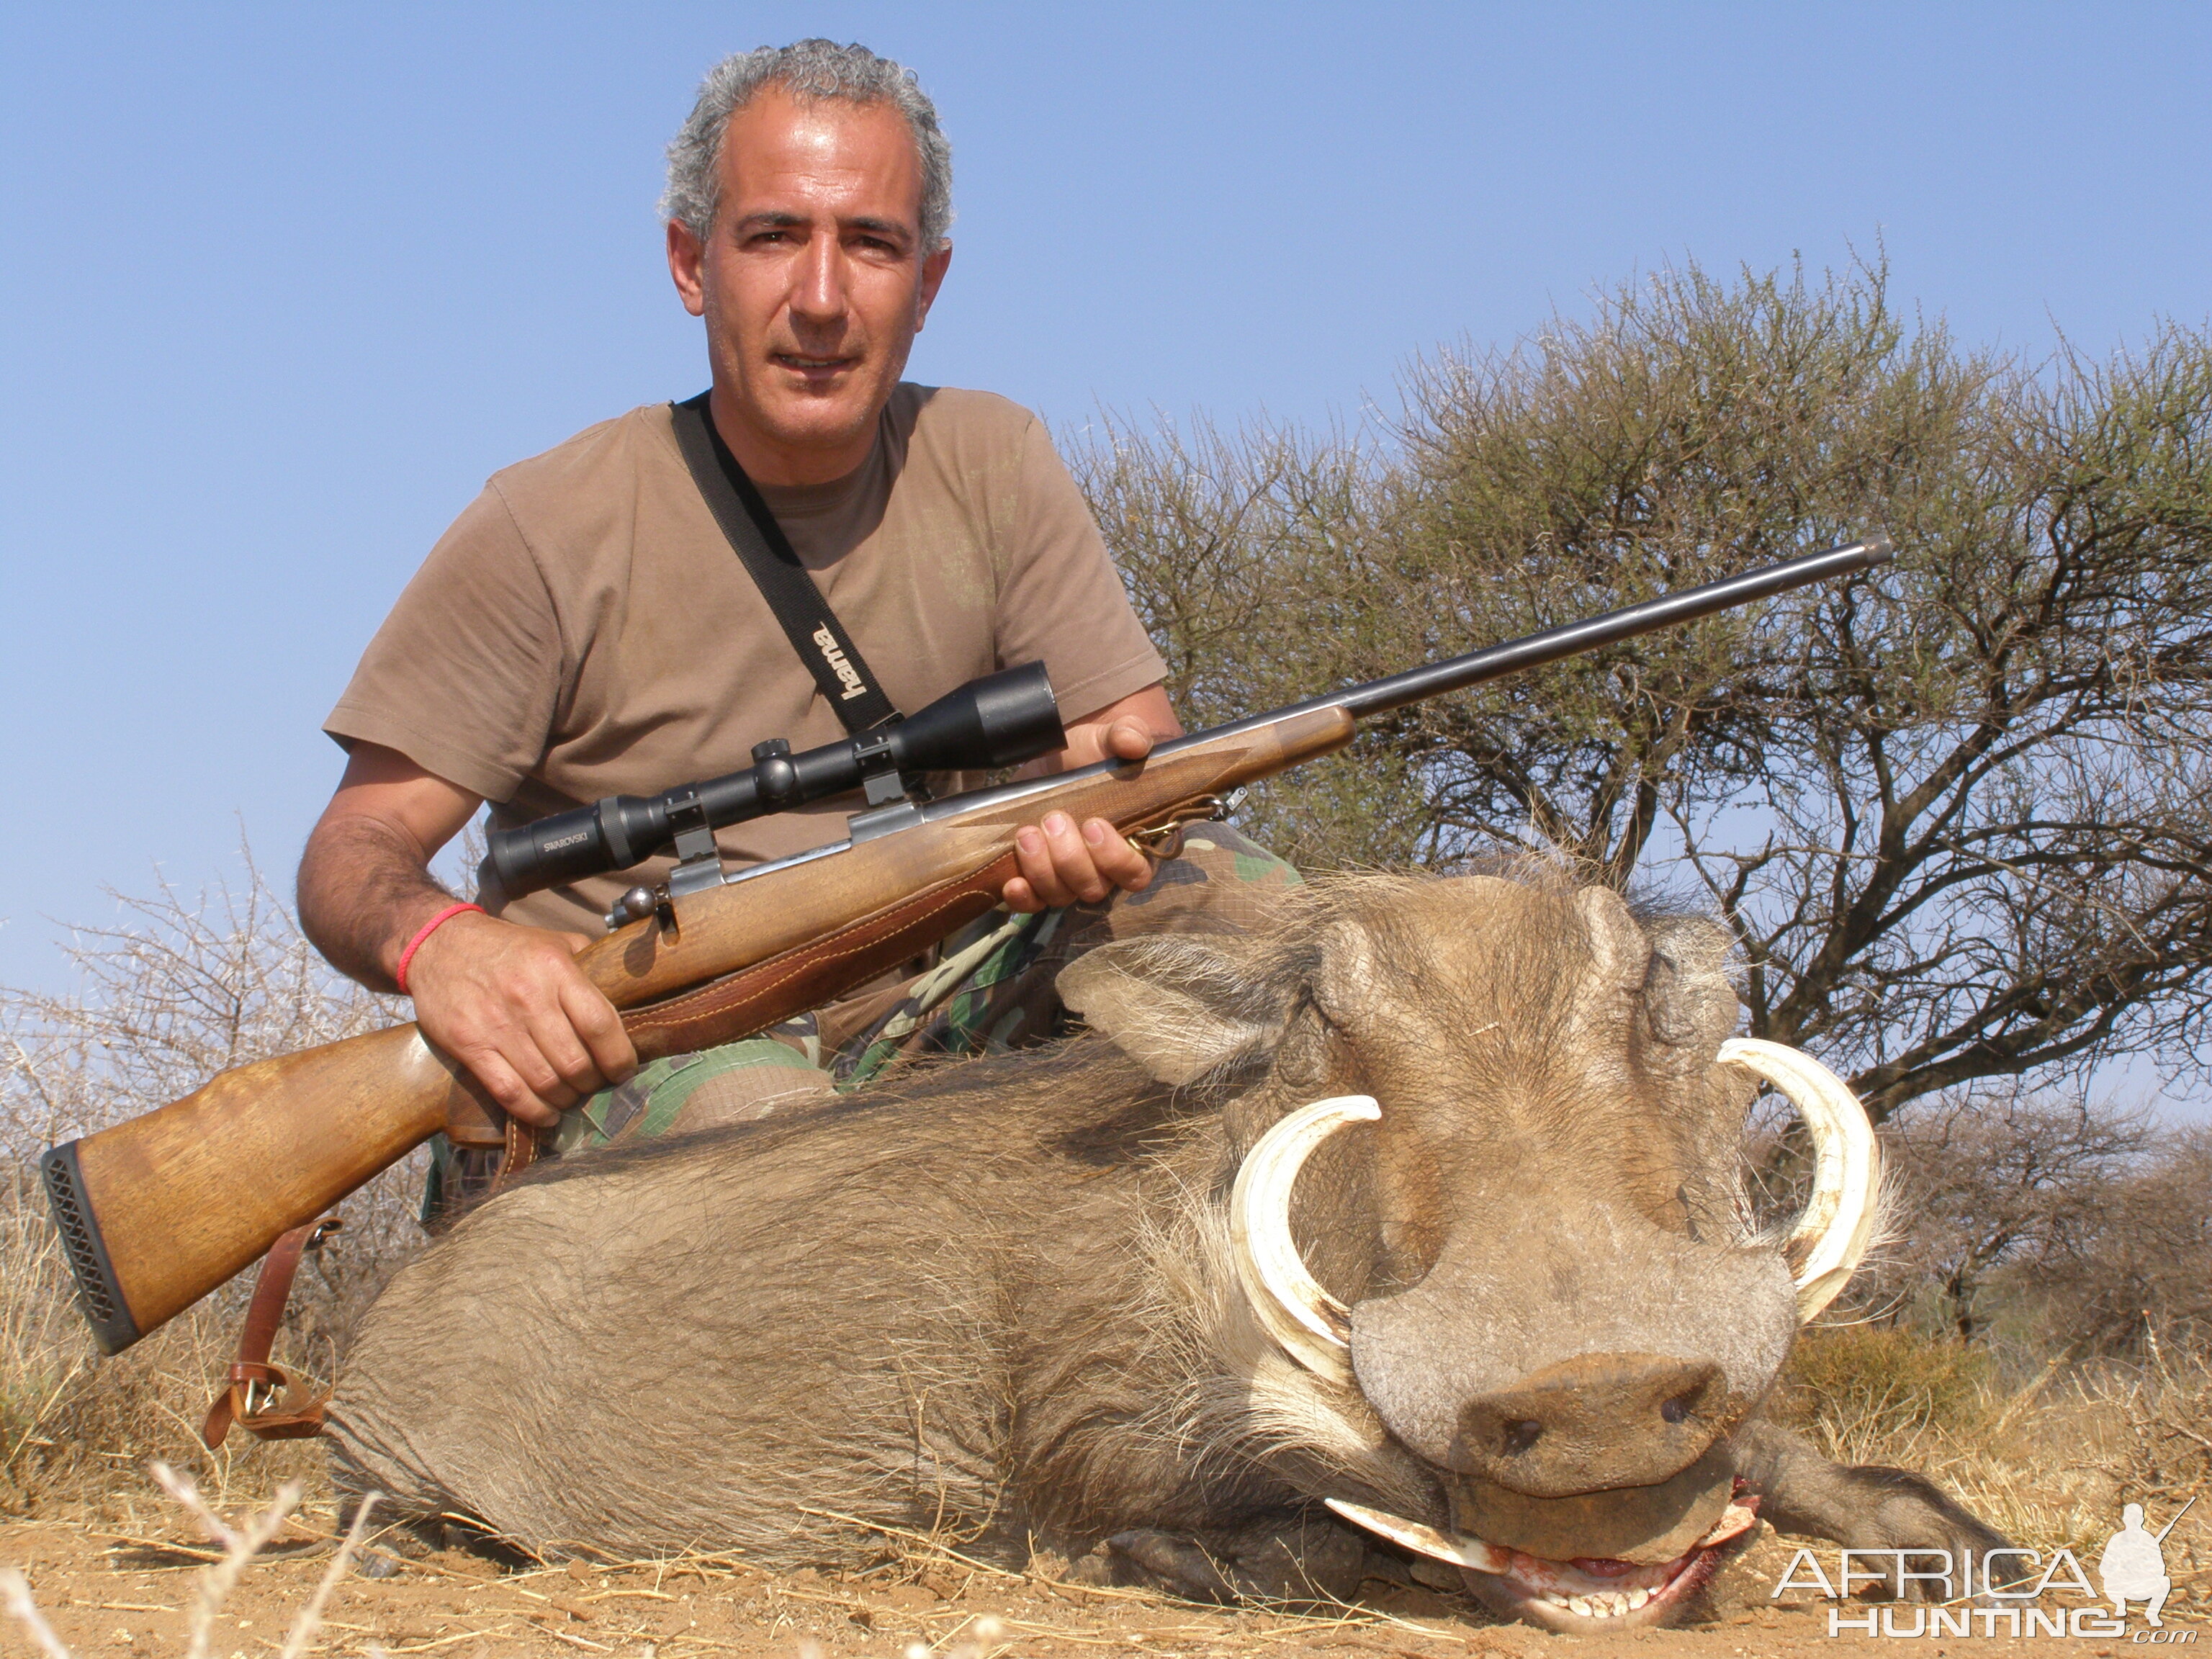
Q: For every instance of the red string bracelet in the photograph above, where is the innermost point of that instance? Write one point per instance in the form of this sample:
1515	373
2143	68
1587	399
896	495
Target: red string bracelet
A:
423	932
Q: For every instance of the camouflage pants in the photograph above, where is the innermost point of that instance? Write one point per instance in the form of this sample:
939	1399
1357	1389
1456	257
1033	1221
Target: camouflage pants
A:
989	990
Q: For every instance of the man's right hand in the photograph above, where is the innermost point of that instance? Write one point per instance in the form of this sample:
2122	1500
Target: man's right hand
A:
507	1001
510	1004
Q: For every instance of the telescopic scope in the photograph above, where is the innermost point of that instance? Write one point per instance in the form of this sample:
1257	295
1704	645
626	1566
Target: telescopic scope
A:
1001	719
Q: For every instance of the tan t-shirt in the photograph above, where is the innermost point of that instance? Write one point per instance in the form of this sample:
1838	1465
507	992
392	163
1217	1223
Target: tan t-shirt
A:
584	629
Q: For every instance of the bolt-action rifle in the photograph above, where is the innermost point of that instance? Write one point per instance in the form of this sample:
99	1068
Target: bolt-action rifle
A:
156	1211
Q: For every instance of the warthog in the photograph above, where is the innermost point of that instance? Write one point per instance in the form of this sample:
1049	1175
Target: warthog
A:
1512	1318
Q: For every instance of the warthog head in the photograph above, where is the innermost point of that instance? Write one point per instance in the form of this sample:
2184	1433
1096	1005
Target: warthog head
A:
1517	1275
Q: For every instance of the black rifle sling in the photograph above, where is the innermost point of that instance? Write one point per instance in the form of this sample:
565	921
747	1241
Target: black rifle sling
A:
766	553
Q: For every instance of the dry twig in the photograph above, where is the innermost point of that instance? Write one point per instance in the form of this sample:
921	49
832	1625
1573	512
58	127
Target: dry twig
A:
311	1616
240	1545
16	1590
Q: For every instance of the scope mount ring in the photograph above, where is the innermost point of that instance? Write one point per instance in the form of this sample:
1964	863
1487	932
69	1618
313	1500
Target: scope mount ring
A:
873	753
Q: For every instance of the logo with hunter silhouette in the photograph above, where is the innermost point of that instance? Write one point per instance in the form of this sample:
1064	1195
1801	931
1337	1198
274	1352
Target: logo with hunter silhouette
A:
2133	1566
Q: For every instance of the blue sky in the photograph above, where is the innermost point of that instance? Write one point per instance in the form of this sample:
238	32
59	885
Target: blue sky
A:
279	286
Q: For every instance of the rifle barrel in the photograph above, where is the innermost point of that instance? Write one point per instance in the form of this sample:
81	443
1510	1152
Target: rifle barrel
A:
2178	1514
1454	674
1380	696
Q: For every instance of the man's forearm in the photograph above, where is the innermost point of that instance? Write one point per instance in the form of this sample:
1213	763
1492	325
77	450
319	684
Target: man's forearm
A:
508	1002
363	891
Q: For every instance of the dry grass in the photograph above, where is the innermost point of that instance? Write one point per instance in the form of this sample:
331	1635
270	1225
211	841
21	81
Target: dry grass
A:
79	1427
239	1545
174	990
925	1595
2050	1462
1866	1391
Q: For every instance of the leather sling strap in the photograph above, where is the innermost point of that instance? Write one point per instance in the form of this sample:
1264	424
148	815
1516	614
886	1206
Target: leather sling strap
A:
766	553
292	1415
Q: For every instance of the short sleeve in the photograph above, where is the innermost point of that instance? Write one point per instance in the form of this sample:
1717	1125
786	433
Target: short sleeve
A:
465	674
1062	599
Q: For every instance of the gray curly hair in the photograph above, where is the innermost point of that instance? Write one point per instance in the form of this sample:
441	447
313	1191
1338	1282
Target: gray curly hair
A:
809	71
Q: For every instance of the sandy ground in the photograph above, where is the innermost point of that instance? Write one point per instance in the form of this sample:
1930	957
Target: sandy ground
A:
110	1591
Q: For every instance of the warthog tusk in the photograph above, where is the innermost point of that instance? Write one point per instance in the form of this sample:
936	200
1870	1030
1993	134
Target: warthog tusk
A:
1833	1234
1312	1326
1456	1548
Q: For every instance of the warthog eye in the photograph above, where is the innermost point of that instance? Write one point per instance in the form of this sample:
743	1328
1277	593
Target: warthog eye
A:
1674	1411
1522	1434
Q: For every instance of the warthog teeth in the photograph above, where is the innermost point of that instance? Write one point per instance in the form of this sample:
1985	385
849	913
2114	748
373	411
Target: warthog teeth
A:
1838	1222
1603	1604
1734	1519
1305	1321
1526	1573
1456	1548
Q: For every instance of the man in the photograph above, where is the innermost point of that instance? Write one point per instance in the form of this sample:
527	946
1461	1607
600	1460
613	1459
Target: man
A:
584	629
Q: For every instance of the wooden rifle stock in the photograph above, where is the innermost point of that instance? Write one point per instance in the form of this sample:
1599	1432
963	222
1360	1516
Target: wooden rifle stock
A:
156	1211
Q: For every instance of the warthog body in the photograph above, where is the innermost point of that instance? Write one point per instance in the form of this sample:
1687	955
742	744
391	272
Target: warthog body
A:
1004	1295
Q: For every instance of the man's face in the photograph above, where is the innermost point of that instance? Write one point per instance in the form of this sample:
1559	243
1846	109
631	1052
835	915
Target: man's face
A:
813	281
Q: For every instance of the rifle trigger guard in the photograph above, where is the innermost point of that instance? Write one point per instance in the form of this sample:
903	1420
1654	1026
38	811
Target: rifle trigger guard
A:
1162	841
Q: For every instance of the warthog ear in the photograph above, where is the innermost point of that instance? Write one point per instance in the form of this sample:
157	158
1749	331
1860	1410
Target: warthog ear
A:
1179	1006
1617	947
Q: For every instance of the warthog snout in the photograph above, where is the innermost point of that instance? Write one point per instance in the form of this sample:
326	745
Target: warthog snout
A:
1594	1421
1570	1347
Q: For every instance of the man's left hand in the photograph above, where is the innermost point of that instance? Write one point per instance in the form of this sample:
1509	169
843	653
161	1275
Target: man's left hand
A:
1064	863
